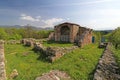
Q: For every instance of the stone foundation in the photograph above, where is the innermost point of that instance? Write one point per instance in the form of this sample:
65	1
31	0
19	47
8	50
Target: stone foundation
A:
52	53
28	42
107	68
2	61
38	47
54	75
12	42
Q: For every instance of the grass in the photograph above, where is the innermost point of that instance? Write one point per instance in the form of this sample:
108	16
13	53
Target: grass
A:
117	55
56	44
79	64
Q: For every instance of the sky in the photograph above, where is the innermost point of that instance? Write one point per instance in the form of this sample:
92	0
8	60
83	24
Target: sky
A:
94	14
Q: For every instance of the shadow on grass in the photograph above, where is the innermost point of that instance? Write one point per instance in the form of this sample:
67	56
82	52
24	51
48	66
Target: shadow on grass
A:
41	56
91	74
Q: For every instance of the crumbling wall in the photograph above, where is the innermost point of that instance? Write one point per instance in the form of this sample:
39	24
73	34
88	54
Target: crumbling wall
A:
75	34
2	61
85	38
28	42
107	68
59	32
54	75
38	47
52	53
12	42
51	36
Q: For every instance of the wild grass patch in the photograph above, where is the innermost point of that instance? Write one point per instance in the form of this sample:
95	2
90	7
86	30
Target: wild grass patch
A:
79	64
117	55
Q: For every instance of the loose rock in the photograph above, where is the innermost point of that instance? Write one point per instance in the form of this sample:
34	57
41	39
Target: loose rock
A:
54	75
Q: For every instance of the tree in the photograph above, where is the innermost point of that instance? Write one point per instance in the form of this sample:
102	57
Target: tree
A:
115	37
97	36
3	34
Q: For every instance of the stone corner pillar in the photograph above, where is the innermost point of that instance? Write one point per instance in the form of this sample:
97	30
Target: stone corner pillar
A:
2	61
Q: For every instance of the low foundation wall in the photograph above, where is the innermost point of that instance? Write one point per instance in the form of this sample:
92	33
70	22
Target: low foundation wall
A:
107	68
2	62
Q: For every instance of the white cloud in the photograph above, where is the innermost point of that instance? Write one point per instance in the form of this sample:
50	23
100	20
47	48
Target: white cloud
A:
29	18
101	19
52	22
41	22
103	23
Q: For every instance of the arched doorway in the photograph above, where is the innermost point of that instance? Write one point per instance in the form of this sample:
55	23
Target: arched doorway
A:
65	34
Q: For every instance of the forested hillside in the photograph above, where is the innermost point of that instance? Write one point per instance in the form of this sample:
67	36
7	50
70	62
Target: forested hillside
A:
19	33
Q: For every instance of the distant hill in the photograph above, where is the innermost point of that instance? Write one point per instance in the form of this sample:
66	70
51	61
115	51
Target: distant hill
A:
104	31
18	26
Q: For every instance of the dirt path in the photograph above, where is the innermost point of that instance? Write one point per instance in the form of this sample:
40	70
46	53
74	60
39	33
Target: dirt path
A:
107	68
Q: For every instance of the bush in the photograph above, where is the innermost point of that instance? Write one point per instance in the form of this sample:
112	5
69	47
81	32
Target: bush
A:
115	37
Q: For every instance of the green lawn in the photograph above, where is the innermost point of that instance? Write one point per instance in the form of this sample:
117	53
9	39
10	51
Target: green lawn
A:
79	64
56	44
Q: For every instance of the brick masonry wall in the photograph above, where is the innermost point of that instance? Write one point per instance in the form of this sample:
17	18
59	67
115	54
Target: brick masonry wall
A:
2	62
77	34
85	38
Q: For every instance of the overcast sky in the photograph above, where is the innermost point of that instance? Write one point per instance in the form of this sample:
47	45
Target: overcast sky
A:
95	14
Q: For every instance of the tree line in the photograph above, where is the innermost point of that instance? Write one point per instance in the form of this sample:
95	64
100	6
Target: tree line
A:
19	33
114	37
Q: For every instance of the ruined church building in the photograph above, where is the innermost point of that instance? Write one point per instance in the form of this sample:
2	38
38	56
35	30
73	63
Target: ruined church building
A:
73	33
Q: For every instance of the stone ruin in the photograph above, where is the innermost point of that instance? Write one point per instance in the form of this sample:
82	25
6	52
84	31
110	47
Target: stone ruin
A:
39	47
2	61
53	53
107	68
73	33
12	42
54	75
28	42
65	32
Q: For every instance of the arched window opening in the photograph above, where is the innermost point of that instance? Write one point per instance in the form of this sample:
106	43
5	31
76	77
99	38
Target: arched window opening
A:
65	30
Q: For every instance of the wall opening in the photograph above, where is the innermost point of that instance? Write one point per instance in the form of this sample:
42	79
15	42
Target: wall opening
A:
65	34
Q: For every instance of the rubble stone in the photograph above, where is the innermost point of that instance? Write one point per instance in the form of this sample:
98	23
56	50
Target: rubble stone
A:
14	74
54	75
2	61
107	68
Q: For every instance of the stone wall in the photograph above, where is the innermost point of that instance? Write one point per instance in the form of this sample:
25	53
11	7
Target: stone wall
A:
85	38
2	61
52	53
12	42
54	75
73	33
28	42
51	36
107	68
